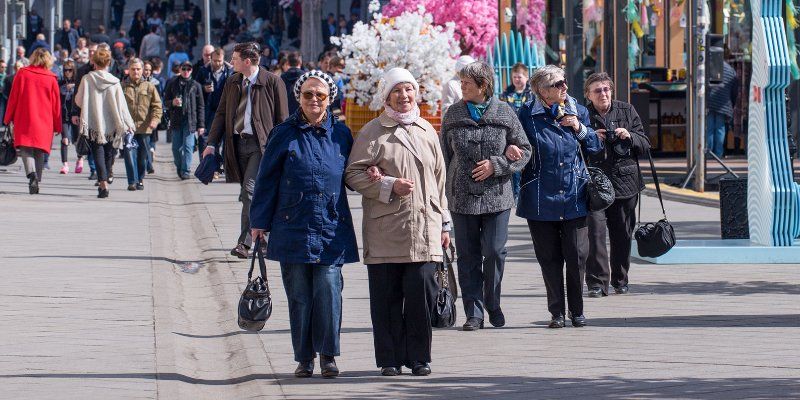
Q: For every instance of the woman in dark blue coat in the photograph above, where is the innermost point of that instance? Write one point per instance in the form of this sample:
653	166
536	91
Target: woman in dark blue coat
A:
300	199
553	196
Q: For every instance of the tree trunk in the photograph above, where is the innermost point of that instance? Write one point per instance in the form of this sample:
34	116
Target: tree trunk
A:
311	33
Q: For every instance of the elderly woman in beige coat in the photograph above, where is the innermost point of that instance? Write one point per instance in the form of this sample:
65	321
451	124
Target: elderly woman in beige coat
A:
406	223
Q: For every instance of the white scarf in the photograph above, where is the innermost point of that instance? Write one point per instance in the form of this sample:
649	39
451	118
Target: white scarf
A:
406	118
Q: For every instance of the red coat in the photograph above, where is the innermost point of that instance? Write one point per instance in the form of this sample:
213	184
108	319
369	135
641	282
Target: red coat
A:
34	107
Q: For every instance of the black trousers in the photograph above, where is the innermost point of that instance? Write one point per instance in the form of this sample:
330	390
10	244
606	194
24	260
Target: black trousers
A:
557	243
401	298
248	154
104	160
620	219
481	243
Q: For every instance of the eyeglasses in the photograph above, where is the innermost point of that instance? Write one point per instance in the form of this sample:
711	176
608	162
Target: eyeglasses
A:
186	68
559	84
602	90
68	70
311	95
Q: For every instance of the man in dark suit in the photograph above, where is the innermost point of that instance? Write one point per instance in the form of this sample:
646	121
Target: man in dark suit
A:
212	77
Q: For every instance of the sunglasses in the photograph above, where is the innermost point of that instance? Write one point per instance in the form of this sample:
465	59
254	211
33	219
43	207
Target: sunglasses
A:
559	84
68	70
186	68
311	95
602	90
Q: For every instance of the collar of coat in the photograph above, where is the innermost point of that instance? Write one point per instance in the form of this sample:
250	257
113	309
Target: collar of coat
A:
569	106
261	78
461	115
299	120
593	110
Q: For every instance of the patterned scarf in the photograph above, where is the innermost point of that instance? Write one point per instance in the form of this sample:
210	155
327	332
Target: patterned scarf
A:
407	118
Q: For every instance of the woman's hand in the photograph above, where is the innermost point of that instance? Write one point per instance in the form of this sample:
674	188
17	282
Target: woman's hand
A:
571	121
257	234
76	121
513	153
374	173
601	133
446	239
484	170
403	186
623	133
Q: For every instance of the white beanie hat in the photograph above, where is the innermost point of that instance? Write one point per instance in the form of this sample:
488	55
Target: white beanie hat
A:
463	61
391	78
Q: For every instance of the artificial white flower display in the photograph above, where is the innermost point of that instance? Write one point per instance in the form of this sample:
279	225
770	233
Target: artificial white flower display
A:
409	41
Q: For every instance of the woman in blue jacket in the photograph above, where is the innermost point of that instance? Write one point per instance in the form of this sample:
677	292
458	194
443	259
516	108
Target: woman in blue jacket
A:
300	198
553	196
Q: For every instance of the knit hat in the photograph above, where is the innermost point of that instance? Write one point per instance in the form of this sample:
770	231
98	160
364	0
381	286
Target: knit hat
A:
319	75
391	78
463	61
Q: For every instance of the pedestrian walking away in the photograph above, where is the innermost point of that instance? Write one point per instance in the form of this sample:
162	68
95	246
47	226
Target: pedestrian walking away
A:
144	104
184	98
69	131
619	127
406	223
300	198
104	117
253	102
477	131
553	195
34	109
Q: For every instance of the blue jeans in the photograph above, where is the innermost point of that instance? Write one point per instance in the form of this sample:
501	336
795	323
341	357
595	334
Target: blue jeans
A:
182	149
315	308
136	159
715	133
516	177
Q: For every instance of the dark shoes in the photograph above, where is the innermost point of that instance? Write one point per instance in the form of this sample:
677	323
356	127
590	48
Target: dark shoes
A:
497	318
102	193
185	177
328	366
132	187
33	183
596	292
556	322
391	371
579	321
420	368
304	369
140	186
93	175
240	251
473	324
621	290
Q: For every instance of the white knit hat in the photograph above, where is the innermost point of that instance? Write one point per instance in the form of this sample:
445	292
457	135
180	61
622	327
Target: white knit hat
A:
394	76
463	61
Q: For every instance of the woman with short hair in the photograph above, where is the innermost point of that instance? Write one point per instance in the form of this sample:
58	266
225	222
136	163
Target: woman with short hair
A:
476	132
104	118
34	106
553	197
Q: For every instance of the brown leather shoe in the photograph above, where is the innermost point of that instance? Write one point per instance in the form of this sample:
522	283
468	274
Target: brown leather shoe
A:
240	251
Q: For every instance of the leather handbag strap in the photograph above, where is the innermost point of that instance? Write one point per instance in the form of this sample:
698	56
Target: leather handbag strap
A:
658	187
262	264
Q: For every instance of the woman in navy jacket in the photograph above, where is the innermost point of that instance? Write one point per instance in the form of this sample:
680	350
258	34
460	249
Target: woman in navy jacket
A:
553	196
300	198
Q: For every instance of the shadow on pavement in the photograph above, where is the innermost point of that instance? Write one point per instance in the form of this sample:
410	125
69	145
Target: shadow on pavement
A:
697	321
717	287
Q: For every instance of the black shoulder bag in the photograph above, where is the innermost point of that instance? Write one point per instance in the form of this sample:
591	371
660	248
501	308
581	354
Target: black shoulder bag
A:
444	313
255	305
599	187
8	153
654	239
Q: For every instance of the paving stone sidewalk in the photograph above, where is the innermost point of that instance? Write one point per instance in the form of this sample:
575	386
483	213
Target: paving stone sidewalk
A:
95	304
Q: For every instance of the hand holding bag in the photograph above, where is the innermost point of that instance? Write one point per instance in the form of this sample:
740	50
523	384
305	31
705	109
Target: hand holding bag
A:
444	315
255	305
599	187
654	239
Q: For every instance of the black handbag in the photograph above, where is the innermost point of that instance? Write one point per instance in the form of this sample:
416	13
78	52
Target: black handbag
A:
444	313
599	187
8	153
255	305
654	239
82	145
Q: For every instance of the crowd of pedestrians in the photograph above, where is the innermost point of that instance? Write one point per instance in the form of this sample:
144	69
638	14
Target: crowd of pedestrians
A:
275	121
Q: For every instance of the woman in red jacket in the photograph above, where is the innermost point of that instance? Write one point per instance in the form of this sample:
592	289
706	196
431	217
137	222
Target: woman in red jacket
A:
34	107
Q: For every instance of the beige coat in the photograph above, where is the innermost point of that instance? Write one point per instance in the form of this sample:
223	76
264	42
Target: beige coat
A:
406	229
144	104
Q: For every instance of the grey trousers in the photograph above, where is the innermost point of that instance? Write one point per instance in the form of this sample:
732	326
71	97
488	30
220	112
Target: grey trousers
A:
481	245
248	154
32	160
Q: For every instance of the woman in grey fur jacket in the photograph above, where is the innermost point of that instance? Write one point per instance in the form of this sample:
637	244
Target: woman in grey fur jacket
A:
483	143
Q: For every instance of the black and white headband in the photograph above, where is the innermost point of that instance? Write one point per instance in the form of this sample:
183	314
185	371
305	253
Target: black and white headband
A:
316	74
